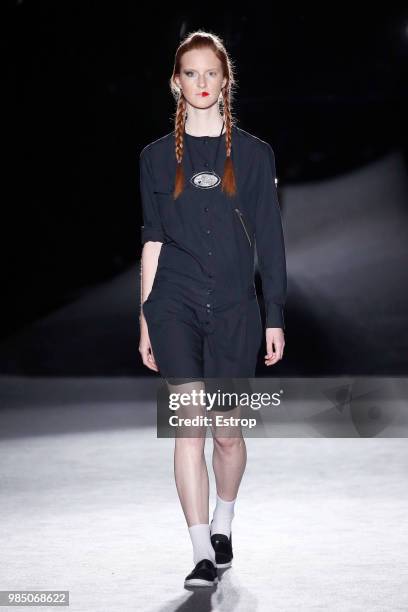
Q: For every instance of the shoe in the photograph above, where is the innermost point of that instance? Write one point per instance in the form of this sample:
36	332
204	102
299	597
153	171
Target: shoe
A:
204	574
223	549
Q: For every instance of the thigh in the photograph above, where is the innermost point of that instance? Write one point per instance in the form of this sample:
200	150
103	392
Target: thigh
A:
175	338
232	350
231	353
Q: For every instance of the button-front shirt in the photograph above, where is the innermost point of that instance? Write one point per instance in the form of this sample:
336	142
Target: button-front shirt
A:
209	238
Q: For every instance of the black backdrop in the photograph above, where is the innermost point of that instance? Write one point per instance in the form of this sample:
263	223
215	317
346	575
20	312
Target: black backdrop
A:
86	87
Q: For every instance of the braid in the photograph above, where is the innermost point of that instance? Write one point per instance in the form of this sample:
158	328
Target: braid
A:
228	121
179	144
199	40
228	184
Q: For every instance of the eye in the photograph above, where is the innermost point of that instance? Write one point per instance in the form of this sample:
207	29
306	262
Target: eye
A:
188	72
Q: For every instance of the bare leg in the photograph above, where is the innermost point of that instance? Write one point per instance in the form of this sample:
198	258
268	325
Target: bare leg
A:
229	456
190	468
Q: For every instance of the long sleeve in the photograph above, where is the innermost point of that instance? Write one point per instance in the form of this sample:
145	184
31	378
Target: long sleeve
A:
270	240
152	228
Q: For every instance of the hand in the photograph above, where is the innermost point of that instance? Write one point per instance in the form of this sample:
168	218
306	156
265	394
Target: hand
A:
274	337
145	347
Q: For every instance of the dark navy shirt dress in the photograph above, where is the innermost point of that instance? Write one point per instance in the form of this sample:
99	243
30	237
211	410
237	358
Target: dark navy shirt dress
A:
202	313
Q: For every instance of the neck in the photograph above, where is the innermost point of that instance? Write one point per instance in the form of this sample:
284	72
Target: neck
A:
203	122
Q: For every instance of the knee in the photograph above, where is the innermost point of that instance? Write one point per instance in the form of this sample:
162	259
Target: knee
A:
228	444
192	446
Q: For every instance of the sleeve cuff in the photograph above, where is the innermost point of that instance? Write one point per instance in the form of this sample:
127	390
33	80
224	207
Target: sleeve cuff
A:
274	315
151	233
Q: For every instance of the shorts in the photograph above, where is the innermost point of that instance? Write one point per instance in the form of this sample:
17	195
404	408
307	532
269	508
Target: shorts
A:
188	343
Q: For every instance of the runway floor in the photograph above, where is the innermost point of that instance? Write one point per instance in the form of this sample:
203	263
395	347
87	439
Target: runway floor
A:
89	505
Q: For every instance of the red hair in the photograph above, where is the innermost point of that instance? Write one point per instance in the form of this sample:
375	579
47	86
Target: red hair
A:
201	40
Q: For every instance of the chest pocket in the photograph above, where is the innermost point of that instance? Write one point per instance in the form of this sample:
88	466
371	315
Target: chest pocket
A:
163	193
162	190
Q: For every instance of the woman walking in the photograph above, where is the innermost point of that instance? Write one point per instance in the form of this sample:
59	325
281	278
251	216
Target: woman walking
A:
209	197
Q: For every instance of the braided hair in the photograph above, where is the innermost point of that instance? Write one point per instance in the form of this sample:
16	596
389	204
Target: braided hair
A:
200	40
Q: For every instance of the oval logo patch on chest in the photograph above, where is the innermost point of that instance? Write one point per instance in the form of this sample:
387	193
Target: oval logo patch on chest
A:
205	180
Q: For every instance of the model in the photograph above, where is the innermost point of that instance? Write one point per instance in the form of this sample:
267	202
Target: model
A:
209	196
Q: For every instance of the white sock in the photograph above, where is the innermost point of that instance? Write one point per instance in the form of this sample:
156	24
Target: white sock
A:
223	515
202	547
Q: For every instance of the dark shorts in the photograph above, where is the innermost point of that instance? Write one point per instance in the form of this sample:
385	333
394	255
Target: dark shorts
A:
188	343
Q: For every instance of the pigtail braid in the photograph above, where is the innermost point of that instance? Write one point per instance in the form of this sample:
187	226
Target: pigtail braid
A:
228	184
179	144
200	39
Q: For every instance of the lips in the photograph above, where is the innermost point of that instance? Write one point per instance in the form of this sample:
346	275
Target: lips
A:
205	93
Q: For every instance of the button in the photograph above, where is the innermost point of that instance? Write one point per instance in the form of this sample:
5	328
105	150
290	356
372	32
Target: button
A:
208	231
210	252
206	209
208	305
208	311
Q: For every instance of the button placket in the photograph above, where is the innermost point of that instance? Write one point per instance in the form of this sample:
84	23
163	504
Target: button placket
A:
209	290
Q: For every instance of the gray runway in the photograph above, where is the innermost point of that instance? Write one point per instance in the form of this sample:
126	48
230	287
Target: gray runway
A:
89	505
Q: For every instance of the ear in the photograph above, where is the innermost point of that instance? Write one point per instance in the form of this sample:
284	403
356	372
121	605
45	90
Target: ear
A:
177	81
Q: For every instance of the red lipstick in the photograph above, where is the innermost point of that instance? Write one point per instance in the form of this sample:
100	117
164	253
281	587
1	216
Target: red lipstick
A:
205	93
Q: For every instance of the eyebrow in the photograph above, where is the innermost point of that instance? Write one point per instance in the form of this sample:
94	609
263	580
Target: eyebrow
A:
195	68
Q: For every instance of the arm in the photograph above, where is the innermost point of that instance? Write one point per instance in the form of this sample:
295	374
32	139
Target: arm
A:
270	241
152	230
148	268
152	234
152	237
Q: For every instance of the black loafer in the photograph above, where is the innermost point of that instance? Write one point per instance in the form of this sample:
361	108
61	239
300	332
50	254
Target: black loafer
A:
223	549
204	574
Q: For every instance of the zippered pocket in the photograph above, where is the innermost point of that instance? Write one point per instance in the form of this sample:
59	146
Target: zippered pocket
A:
241	218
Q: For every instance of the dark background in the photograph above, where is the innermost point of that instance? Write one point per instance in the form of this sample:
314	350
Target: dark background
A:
86	88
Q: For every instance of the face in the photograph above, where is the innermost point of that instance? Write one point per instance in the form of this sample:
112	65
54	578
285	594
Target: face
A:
201	77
